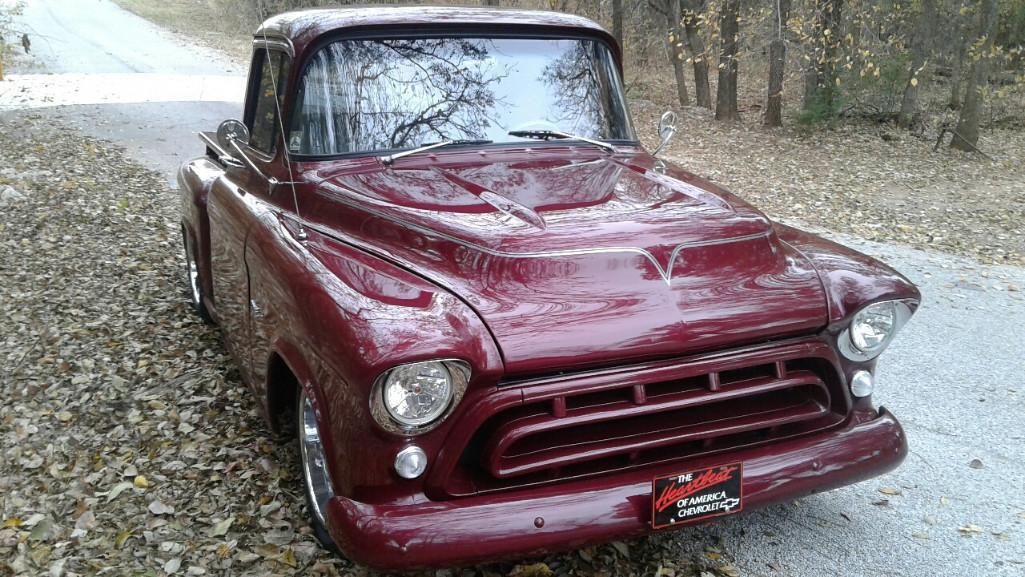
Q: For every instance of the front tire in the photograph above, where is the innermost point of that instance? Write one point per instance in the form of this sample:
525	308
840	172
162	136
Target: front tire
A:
316	479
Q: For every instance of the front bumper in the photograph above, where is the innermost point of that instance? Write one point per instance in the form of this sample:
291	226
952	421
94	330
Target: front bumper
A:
575	514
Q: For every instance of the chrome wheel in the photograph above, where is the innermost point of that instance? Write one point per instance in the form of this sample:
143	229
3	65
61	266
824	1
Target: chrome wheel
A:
193	274
318	481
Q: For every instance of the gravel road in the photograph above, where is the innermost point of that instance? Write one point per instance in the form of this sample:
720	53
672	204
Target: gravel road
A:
106	379
116	76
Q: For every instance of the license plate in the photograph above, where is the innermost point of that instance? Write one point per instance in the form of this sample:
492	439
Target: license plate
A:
689	497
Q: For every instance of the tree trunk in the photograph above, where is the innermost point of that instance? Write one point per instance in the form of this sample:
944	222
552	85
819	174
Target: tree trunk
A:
696	45
726	96
489	2
675	42
919	53
957	74
777	63
820	79
617	20
966	135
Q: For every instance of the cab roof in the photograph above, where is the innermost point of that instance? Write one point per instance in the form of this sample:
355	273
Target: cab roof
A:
303	27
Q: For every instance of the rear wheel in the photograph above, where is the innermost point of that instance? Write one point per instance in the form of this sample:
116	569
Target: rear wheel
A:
316	479
192	277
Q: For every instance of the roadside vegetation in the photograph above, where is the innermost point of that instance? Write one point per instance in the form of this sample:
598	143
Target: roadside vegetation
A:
8	11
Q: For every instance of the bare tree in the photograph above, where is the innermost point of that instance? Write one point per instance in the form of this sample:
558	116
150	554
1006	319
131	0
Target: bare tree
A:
957	72
670	10
777	62
966	135
617	20
820	78
726	95
691	10
919	53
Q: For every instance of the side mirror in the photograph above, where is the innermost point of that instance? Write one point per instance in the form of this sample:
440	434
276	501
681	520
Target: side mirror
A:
229	131
666	130
232	135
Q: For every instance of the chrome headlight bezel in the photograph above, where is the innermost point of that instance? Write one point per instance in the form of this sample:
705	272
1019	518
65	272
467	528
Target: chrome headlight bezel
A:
901	311
459	375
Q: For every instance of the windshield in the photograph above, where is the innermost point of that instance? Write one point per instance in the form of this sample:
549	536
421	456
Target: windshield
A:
387	94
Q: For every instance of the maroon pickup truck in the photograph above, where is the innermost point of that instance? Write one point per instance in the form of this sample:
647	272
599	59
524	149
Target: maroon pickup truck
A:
496	324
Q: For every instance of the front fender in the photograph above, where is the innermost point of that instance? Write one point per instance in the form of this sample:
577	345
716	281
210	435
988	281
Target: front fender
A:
350	316
194	181
851	279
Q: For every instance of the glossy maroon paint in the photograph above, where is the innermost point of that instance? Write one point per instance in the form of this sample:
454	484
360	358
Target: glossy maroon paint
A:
580	513
554	271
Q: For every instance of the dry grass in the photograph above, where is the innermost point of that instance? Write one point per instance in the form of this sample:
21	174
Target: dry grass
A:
198	19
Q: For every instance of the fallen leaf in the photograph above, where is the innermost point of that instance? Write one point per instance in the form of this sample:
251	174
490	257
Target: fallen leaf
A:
172	566
532	570
889	491
123	536
287	557
970	529
622	548
267	550
12	522
158	508
269	508
944	501
117	490
140	482
922	536
42	531
975	464
221	528
729	571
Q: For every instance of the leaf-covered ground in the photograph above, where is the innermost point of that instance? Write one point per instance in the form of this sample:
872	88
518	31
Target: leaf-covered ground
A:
128	445
873	181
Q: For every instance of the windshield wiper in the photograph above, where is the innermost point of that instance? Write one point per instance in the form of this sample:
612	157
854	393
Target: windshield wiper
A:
549	134
390	159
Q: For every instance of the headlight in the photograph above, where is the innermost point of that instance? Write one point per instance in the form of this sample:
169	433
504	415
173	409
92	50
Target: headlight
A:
411	398
873	327
416	394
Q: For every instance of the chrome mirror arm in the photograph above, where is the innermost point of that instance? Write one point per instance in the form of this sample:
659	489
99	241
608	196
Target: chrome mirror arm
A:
271	181
231	161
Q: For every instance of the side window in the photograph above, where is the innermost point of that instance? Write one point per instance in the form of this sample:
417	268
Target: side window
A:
262	114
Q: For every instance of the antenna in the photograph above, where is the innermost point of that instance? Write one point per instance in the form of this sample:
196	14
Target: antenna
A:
301	236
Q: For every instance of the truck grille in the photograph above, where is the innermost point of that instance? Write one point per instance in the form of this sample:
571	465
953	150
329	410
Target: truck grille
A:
572	426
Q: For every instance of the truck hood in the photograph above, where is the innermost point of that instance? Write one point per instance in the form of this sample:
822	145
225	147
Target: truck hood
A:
575	258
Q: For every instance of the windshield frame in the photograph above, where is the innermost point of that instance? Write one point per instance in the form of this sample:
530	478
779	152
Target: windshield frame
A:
477	31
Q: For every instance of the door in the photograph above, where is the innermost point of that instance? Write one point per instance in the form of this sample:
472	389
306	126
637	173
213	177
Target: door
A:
236	202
